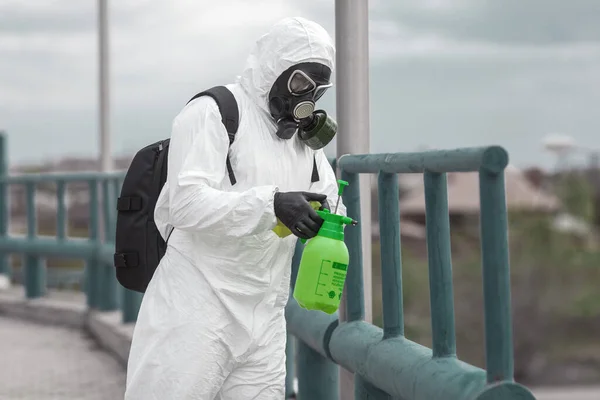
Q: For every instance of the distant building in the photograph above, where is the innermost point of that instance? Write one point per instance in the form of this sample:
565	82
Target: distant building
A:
463	196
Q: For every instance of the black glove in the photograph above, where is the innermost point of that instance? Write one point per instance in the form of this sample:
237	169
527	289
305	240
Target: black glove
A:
294	211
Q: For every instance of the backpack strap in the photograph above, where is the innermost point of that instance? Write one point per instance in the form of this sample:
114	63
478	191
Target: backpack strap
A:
230	116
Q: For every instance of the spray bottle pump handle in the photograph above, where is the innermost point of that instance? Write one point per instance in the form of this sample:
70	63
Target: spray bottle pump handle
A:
341	186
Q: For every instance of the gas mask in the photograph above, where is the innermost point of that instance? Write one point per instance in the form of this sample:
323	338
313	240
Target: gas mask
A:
292	104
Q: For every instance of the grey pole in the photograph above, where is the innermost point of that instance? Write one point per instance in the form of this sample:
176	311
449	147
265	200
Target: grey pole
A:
352	97
103	82
594	166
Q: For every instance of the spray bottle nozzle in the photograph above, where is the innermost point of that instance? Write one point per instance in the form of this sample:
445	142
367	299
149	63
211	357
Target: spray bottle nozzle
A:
341	186
334	217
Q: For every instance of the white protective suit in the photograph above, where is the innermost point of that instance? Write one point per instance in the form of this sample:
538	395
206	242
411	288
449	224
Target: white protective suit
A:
211	324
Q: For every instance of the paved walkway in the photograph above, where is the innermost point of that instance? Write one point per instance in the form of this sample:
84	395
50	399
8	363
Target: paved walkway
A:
575	393
39	362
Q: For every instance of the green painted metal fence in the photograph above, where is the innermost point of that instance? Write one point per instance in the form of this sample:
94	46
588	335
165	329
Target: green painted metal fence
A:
101	286
385	363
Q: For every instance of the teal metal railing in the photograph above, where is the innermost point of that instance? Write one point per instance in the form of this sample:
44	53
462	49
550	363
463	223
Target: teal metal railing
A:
385	363
102	290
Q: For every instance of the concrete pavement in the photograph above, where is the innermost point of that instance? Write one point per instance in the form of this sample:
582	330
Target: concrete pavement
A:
574	393
45	362
41	362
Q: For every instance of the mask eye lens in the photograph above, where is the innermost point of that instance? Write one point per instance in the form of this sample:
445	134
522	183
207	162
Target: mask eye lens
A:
320	91
300	84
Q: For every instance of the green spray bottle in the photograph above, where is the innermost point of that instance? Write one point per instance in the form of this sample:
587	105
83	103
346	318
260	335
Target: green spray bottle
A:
324	263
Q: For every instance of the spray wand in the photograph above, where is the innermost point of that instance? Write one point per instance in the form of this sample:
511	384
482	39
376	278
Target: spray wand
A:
341	186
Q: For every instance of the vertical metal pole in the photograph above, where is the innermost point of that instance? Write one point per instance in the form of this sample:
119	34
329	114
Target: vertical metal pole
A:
496	277
291	344
116	184
4	210
594	166
34	268
391	259
131	302
93	264
352	97
290	364
439	255
108	299
103	81
105	273
354	289
317	376
61	210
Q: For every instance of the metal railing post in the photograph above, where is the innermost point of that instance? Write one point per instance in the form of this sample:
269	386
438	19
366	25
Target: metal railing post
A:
391	260
93	264
439	255
317	376
130	305
61	211
4	205
290	366
496	277
108	298
34	268
354	290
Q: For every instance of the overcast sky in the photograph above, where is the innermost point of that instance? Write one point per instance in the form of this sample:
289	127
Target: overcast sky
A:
444	73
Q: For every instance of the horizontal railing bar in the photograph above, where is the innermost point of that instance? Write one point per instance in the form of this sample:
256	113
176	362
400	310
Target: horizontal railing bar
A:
21	236
492	158
403	368
50	246
67	178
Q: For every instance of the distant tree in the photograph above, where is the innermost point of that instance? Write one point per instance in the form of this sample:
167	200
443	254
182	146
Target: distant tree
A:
577	195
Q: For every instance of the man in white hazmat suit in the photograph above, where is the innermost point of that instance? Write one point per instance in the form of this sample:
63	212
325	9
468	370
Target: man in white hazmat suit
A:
211	324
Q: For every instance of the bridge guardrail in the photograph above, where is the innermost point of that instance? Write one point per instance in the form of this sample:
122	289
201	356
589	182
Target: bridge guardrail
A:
387	365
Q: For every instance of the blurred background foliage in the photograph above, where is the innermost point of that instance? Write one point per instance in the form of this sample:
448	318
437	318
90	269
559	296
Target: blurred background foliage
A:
555	280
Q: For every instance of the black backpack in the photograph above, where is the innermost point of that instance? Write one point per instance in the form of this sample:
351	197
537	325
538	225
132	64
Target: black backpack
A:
138	244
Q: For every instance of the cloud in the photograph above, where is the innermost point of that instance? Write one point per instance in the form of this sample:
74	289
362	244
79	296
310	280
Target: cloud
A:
539	22
161	53
474	28
47	17
444	73
154	44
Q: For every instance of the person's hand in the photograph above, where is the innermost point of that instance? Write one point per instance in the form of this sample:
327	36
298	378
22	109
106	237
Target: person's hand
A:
294	210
